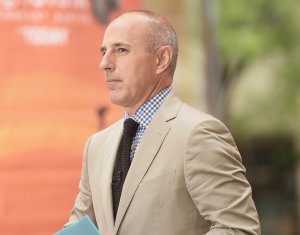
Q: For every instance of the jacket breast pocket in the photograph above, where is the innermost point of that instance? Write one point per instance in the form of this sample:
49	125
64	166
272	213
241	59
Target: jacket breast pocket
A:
157	183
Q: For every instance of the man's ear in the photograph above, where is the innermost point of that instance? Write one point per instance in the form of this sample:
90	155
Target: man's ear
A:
163	58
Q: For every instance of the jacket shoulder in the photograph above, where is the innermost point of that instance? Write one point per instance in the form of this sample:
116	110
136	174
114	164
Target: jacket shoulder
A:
194	116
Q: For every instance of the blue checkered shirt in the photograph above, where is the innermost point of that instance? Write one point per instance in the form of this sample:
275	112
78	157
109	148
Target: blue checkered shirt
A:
144	116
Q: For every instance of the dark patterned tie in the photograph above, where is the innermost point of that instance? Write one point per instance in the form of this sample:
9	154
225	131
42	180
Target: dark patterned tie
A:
122	163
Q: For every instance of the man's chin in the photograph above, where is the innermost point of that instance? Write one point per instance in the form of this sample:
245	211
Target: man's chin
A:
117	100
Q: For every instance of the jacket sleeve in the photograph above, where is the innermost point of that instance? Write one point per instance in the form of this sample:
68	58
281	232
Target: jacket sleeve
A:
83	203
216	181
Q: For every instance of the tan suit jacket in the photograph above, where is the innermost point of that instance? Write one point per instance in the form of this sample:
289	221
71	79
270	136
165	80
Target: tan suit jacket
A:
186	179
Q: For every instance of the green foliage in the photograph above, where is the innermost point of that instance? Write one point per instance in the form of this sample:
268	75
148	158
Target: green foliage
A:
259	30
253	28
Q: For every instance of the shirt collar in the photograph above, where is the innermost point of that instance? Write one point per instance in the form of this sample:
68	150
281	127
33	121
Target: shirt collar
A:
145	113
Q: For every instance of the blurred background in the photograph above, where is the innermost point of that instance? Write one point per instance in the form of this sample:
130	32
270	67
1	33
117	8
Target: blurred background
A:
239	60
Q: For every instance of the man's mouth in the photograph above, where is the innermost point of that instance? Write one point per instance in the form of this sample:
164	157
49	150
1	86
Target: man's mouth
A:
112	83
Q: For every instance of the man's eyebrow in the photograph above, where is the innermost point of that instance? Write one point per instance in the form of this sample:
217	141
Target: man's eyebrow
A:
118	44
121	44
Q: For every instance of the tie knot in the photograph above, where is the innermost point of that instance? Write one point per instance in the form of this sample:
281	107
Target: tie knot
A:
130	127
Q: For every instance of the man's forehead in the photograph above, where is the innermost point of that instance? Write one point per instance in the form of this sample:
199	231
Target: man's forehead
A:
115	39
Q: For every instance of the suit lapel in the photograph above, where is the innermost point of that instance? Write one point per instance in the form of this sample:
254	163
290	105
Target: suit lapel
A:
109	160
146	152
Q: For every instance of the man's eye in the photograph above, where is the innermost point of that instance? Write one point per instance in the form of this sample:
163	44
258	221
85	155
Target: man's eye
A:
122	50
102	51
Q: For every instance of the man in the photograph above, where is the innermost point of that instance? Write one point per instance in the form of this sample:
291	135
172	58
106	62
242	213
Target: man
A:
185	175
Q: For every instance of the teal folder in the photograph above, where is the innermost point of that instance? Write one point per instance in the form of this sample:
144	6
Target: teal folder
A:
84	226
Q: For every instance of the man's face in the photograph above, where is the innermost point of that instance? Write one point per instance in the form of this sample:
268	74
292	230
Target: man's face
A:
130	71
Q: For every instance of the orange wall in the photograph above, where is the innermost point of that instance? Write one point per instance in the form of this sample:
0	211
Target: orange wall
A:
50	91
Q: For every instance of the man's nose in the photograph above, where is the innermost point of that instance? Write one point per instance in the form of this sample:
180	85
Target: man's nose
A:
107	62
